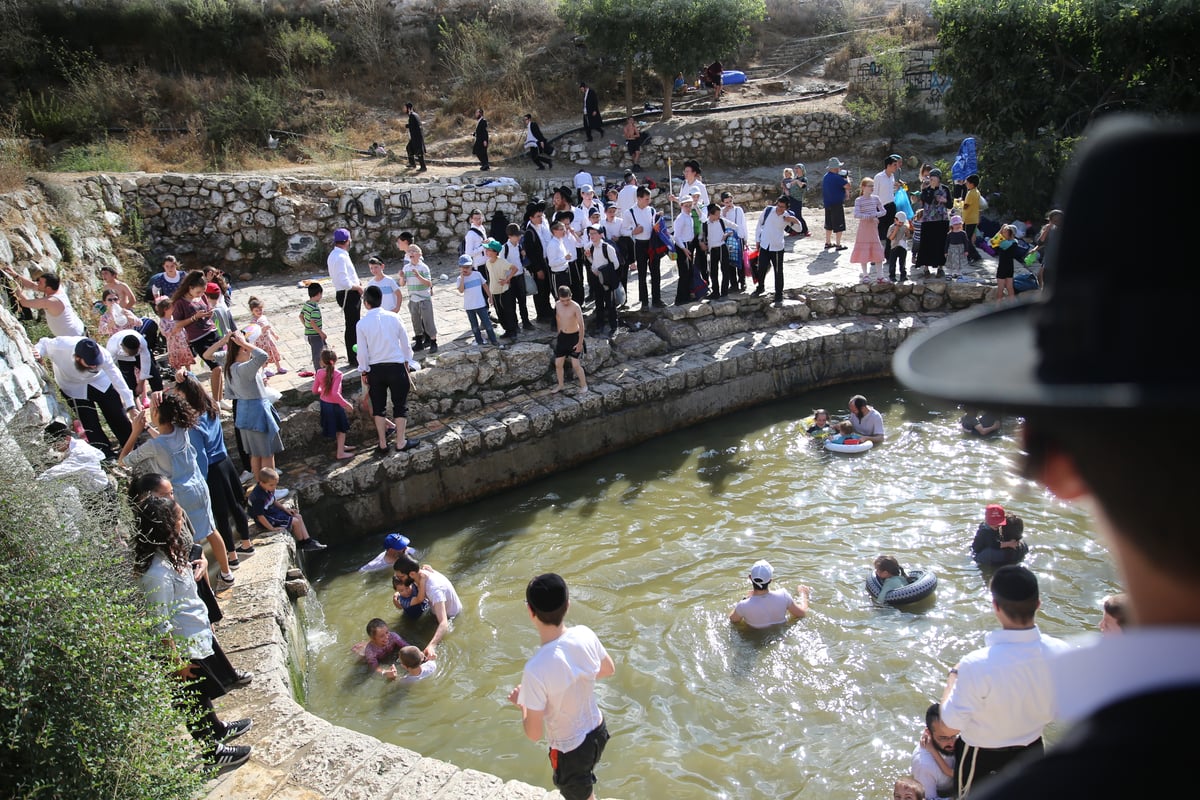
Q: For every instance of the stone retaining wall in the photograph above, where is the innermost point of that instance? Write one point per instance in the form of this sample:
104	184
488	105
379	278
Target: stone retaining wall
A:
531	434
746	141
247	223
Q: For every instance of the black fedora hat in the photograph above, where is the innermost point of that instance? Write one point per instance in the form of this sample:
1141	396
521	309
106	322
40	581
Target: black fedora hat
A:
1098	338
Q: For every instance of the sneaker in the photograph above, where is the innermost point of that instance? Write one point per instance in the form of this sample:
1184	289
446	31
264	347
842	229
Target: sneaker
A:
227	578
283	370
246	476
529	326
239	726
311	545
433	345
270	373
282	493
234	563
244	677
245	548
227	755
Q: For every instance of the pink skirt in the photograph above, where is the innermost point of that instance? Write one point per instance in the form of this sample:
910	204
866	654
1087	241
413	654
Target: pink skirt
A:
867	247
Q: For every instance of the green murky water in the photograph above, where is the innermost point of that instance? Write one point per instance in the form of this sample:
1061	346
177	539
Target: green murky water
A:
656	542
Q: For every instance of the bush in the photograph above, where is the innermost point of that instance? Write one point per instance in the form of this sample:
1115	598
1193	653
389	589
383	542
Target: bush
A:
105	156
303	45
85	701
246	113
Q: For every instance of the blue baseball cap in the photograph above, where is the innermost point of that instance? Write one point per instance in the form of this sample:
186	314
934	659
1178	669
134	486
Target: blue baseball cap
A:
396	541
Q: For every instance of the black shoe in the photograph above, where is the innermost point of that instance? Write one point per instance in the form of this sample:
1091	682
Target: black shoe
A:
485	168
237	728
419	344
224	756
311	545
660	304
422	169
433	345
529	326
243	677
840	247
509	335
757	291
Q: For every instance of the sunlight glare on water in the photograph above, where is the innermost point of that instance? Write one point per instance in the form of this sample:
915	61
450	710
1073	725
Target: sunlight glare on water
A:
656	543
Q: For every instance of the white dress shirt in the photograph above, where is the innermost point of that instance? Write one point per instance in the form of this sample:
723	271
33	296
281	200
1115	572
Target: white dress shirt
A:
74	382
885	187
118	352
627	198
684	230
382	339
341	269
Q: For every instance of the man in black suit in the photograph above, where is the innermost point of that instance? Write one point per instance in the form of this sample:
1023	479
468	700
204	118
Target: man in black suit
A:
591	111
1095	350
480	149
416	138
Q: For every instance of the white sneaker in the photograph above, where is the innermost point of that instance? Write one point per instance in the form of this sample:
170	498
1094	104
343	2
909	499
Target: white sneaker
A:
281	493
227	405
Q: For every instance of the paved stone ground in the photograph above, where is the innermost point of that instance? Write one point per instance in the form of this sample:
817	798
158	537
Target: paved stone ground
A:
806	264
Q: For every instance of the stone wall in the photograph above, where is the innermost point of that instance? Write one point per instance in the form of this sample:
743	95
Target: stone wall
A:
70	229
532	433
746	141
252	223
918	79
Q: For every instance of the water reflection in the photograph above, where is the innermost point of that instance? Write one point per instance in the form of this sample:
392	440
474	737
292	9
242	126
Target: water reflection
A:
656	542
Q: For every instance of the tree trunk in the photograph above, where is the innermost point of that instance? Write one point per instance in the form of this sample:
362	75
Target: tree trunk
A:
629	86
668	84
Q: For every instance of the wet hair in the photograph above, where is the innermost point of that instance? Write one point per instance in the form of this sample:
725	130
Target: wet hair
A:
177	412
405	565
160	530
411	656
1117	607
564	292
818	412
315	289
889	564
933	714
845	427
860	405
191	391
374	625
909	782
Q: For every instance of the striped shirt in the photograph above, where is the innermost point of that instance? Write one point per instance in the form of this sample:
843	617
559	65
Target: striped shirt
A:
310	315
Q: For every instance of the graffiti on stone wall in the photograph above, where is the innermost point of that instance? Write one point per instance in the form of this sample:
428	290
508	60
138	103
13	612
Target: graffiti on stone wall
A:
918	76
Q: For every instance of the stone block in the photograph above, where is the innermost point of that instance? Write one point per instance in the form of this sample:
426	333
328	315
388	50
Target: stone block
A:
281	745
378	774
332	759
493	432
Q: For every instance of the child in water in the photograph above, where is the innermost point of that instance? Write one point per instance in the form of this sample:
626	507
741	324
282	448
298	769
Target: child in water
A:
416	665
845	433
405	598
382	645
890	575
820	427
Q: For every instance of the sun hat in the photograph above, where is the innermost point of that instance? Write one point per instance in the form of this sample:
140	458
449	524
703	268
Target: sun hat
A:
761	574
465	260
956	220
1093	340
834	163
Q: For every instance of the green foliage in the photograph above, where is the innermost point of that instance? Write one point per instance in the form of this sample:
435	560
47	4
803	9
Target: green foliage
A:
483	61
665	36
246	113
85	700
1030	75
104	156
301	46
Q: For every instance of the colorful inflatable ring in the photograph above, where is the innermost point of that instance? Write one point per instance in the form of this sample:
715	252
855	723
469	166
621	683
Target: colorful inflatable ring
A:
921	584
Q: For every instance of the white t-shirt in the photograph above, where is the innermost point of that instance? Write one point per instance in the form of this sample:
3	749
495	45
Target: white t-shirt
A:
341	269
427	669
391	292
560	681
765	610
438	589
937	784
737	217
870	425
512	254
771	230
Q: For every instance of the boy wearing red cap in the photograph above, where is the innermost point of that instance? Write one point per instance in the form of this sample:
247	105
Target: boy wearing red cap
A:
998	540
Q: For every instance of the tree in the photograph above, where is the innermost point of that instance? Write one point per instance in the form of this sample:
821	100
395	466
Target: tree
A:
1051	67
684	35
663	36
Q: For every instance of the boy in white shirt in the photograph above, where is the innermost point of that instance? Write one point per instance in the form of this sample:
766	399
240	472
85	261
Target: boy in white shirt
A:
684	233
391	290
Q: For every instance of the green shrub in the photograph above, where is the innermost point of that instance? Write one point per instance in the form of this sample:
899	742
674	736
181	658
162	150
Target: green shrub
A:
102	156
302	45
246	113
85	699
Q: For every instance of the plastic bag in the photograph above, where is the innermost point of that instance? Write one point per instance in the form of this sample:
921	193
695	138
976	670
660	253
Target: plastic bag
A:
903	203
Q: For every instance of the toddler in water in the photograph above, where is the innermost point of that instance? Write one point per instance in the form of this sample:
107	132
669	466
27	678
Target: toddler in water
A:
956	248
416	665
845	433
266	339
382	645
328	386
821	425
406	597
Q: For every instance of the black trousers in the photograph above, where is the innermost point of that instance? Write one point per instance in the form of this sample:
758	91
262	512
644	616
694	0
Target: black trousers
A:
506	310
685	259
972	251
243	453
577	268
129	373
647	268
543	307
109	404
516	290
975	765
592	123
720	276
351	303
416	152
535	155
225	492
769	260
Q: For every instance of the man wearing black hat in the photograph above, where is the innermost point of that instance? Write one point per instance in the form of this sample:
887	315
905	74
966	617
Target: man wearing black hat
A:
1091	351
89	379
480	147
591	111
999	697
557	694
416	138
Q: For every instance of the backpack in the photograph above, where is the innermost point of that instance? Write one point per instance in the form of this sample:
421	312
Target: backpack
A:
462	243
